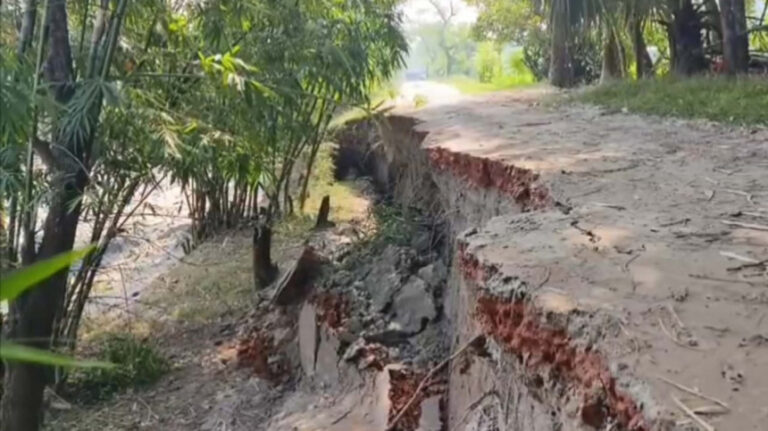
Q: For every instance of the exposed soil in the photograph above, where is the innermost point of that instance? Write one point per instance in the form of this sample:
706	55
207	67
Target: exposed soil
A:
603	256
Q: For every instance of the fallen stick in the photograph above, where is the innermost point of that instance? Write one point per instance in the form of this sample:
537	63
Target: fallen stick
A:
544	280
629	261
675	339
745	225
672	223
739	192
749	265
674	314
753	214
611	206
723	280
427	378
692	415
471	408
693	392
710	410
738	257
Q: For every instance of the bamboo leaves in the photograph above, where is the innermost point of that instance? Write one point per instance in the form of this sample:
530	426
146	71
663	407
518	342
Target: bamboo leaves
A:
14	284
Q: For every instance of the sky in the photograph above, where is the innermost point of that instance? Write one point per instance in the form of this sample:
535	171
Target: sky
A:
422	11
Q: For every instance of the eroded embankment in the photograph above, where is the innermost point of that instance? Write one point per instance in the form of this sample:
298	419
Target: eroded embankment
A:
541	377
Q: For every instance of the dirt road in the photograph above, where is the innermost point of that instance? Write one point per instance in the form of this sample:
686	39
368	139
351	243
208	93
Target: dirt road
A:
650	236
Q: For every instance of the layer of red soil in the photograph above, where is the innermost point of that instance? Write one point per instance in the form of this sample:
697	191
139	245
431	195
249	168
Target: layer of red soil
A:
332	310
374	356
254	352
517	326
403	385
519	183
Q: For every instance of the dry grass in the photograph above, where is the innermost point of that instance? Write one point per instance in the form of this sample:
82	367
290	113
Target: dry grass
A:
347	201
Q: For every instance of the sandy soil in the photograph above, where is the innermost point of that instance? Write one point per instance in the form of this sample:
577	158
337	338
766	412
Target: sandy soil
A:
433	93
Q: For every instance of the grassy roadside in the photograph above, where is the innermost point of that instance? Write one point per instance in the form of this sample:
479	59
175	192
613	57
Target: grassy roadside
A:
742	101
468	85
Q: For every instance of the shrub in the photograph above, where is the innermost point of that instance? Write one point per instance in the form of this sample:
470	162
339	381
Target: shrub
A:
138	363
585	51
487	62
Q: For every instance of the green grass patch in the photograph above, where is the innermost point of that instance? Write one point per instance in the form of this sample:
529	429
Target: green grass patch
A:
138	363
742	101
468	85
347	202
394	225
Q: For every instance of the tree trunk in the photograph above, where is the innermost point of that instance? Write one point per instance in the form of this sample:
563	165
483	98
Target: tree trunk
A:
613	67
264	271
322	214
308	176
11	232
688	47
643	62
27	27
296	284
32	315
735	38
560	70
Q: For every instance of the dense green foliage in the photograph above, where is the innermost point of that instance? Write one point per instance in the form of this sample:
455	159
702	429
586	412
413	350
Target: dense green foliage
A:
230	99
611	39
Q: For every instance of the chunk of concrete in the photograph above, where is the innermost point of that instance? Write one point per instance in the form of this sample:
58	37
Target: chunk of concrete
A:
430	415
413	306
382	291
308	338
433	274
383	281
382	404
327	360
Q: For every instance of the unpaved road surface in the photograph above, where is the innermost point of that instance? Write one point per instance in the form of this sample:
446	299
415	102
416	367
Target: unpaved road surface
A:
659	226
433	93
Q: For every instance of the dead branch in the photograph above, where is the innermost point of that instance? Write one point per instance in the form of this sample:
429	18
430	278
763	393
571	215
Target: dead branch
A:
754	264
738	257
752	226
477	403
629	262
692	415
674	338
723	280
544	279
693	392
425	381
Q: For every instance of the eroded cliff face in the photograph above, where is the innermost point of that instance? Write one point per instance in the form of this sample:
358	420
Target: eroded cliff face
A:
532	373
609	261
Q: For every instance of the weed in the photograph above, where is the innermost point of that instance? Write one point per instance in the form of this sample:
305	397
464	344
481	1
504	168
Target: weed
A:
420	101
742	101
394	225
138	364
